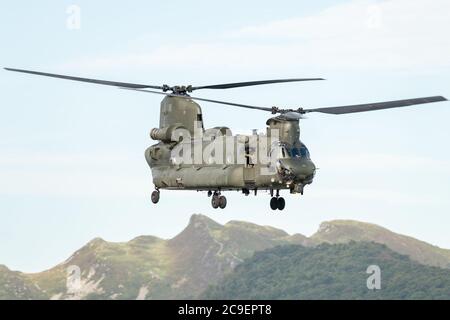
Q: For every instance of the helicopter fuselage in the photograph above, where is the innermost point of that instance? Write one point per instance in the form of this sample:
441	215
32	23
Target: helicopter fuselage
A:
188	157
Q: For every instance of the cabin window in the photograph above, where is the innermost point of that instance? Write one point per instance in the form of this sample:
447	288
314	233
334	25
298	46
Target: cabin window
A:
279	151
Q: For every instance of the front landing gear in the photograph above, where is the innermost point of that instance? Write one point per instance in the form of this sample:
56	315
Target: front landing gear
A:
218	201
274	203
281	203
277	202
155	196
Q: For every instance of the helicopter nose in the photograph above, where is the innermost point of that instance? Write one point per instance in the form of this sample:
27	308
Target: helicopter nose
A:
302	169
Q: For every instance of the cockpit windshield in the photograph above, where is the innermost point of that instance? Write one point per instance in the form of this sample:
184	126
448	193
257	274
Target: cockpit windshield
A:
282	151
300	152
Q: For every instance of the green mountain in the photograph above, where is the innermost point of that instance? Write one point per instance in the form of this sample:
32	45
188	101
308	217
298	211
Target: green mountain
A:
15	286
201	255
331	272
342	231
151	268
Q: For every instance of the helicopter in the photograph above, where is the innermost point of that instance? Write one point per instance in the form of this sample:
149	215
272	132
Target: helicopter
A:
186	156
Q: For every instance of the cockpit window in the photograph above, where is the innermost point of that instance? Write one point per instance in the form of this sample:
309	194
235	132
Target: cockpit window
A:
282	151
301	152
295	152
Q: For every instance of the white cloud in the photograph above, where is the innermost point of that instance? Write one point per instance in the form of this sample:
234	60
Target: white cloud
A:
362	20
57	160
388	162
369	195
111	175
359	34
74	175
371	175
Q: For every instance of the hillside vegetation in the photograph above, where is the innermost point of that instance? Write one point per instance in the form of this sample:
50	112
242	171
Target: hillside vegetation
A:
331	272
183	267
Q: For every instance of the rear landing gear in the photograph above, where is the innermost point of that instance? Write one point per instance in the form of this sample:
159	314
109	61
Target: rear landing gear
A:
215	202
155	196
277	202
218	201
222	202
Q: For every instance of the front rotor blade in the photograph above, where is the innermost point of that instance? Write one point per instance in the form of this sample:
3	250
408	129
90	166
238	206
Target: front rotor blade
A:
203	99
376	106
103	82
252	83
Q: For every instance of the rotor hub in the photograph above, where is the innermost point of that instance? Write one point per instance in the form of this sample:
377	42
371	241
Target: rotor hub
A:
181	90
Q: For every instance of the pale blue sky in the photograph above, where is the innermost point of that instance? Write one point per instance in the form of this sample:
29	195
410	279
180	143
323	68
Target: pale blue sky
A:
71	157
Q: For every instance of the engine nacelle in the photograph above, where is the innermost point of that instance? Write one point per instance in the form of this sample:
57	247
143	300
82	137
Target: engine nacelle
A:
173	133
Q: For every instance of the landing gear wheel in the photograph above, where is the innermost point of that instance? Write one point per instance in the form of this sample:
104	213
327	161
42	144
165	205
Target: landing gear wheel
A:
281	203
215	202
274	203
222	202
155	196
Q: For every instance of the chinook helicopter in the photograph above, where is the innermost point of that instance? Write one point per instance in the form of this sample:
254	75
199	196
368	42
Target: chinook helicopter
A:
236	166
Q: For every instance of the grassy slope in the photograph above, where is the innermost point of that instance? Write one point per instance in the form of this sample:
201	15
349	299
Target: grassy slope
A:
199	256
14	285
178	268
331	272
341	231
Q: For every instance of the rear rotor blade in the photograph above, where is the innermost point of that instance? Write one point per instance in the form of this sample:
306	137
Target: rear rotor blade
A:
252	83
375	106
203	99
96	81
